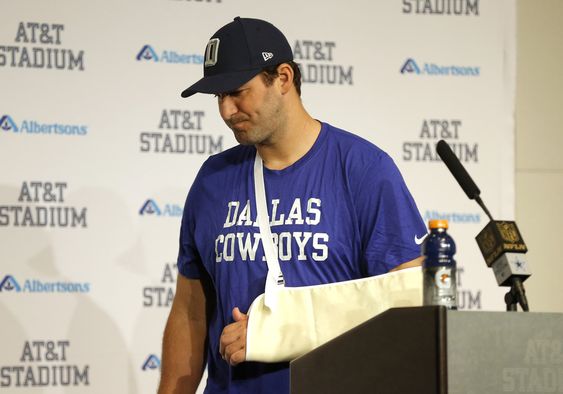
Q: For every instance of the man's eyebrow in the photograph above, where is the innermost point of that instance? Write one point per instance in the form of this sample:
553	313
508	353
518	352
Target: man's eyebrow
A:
230	92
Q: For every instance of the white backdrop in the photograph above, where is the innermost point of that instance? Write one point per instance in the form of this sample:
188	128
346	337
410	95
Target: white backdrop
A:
98	150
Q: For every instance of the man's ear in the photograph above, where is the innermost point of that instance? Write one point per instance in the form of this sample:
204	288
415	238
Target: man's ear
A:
285	77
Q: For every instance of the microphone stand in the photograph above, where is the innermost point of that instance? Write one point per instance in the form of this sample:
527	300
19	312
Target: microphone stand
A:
516	295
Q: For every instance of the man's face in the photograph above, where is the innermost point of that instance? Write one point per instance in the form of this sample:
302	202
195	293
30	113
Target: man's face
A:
253	111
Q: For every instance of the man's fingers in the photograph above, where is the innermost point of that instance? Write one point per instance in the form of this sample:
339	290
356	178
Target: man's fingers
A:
231	341
226	339
238	315
231	335
232	349
232	344
238	357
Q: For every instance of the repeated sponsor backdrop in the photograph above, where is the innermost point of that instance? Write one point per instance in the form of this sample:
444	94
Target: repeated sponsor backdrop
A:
98	151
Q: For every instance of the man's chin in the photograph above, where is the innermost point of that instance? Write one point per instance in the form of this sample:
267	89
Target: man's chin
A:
240	136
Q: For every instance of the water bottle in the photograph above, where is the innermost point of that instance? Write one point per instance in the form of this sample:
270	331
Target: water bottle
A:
439	267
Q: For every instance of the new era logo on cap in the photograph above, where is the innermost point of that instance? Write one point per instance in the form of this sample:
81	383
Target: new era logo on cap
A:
267	56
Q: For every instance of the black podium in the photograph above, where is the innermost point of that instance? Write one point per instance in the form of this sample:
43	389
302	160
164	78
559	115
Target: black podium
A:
433	350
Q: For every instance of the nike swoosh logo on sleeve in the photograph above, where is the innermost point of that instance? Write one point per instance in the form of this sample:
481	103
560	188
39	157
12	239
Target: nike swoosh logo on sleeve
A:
418	240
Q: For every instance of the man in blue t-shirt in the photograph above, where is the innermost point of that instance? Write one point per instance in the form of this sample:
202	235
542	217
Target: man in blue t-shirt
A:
338	208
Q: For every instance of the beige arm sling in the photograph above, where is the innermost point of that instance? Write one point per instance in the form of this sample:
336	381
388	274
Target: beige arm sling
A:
287	322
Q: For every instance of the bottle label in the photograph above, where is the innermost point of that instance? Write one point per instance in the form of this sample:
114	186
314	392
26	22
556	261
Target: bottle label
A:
440	286
443	278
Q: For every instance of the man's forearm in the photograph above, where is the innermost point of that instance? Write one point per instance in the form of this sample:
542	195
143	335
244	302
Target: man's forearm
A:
409	264
183	345
182	356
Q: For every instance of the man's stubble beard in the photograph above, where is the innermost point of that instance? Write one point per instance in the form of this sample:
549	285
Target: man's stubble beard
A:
267	131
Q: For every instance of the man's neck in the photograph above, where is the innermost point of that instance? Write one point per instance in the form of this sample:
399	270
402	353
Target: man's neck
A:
294	141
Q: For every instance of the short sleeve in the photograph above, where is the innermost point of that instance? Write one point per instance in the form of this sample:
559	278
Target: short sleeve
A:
388	218
189	259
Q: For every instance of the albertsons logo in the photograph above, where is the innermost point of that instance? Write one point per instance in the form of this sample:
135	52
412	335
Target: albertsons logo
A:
9	283
152	362
412	67
8	124
148	53
151	208
34	127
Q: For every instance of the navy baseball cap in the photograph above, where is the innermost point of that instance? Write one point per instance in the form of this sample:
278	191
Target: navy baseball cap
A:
239	51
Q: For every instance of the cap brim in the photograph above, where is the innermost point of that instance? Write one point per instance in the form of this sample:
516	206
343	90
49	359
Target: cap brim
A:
221	83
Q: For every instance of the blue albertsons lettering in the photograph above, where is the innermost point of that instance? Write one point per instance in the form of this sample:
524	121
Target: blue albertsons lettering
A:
441	7
321	51
34	127
39	56
147	52
9	283
150	207
190	143
44	364
411	67
172	210
162	296
431	132
434	69
453	217
245	244
174	57
37	286
42	215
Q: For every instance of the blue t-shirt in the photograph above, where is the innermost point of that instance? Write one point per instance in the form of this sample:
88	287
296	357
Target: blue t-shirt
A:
340	212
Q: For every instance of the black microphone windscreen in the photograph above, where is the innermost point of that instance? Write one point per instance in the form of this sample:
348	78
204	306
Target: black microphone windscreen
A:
458	171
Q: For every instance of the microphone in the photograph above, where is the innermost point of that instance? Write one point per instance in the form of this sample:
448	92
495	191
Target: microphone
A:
458	171
503	248
460	174
500	242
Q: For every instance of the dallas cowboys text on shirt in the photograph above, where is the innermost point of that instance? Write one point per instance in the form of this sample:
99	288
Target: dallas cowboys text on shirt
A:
240	243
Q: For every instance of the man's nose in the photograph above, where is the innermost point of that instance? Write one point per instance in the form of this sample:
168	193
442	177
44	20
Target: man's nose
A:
227	107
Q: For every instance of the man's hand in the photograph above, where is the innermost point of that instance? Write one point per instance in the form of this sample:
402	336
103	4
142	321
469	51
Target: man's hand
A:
233	339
